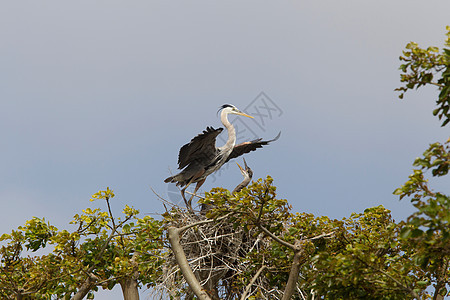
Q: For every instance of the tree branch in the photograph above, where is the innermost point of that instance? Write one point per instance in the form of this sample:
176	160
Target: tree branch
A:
91	279
129	284
277	239
110	213
249	286
85	287
296	263
294	273
321	236
174	239
440	281
184	228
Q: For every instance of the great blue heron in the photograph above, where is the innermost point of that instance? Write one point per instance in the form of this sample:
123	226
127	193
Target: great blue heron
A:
247	173
200	157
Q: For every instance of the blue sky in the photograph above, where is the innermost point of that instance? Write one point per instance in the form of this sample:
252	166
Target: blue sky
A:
104	93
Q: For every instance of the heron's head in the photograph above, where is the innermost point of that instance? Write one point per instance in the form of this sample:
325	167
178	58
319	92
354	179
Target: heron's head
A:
247	172
231	109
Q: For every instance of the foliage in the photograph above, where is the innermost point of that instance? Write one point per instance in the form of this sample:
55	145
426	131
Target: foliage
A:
367	255
102	248
365	262
365	258
421	67
426	233
26	276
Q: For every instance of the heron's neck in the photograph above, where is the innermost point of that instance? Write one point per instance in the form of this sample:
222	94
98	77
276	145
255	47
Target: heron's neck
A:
231	132
242	185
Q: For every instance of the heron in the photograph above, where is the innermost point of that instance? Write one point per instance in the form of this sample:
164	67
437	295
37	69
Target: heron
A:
200	157
247	173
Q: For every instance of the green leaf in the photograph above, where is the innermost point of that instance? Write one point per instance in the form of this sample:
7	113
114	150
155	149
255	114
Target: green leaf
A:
405	233
416	233
422	283
5	237
398	191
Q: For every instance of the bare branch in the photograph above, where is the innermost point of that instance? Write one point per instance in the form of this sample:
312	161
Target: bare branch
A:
277	239
258	219
193	194
184	228
110	212
249	286
80	230
321	236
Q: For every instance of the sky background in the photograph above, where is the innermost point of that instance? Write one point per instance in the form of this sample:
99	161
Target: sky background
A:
104	93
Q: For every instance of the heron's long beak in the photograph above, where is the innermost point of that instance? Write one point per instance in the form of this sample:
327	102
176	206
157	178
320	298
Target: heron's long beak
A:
242	170
245	163
243	114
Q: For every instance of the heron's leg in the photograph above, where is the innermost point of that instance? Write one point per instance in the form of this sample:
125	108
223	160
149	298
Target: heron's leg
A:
193	179
184	197
199	184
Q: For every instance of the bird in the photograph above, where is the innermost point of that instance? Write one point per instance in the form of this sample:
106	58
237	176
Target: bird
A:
200	157
247	173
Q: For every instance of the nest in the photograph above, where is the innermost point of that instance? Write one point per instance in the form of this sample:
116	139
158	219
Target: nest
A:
217	254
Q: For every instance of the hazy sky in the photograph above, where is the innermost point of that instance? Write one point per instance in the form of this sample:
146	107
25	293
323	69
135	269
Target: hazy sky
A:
104	93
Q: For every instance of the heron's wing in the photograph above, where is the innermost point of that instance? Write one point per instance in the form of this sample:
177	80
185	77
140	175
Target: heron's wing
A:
203	146
247	147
